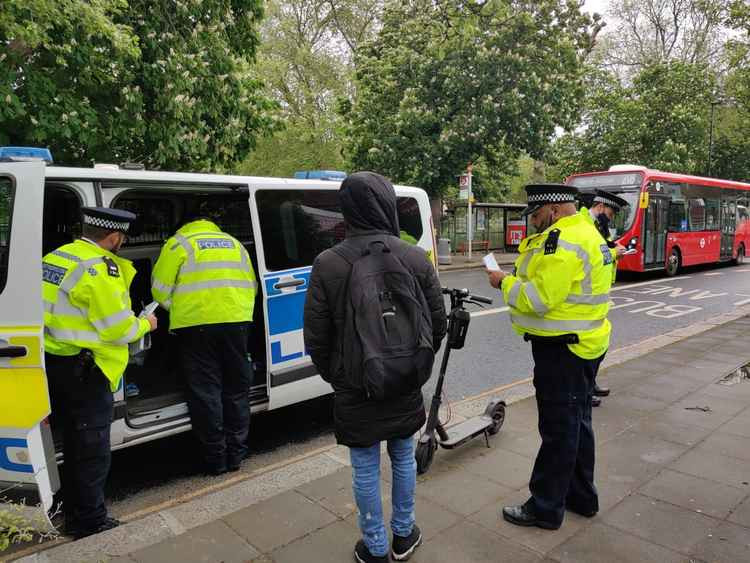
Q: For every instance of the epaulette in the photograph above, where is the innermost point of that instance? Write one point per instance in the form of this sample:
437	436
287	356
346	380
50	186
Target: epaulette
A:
112	268
550	245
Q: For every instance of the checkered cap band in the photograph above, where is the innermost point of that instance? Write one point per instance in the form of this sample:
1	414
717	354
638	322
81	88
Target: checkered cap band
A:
606	201
552	197
106	223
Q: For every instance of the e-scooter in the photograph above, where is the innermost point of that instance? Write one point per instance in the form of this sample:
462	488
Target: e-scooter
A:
488	423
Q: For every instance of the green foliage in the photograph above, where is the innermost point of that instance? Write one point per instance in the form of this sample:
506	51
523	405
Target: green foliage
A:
167	83
661	121
458	81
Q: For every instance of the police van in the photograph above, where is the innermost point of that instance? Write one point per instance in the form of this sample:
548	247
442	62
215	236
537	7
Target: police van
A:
284	224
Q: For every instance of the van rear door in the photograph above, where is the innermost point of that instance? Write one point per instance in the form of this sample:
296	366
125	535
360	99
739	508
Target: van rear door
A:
27	462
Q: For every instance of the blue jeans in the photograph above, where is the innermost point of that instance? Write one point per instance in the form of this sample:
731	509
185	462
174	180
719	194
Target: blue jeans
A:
366	485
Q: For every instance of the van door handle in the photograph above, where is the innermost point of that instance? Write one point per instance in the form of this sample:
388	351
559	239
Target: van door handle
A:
13	351
291	283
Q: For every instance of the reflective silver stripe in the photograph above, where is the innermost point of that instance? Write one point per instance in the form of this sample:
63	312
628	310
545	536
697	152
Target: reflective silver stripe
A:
64	307
212	284
552	324
75	276
218	265
597	299
130	336
66	256
183	242
524	265
158	286
166	305
534	298
584	257
513	294
67	334
112	320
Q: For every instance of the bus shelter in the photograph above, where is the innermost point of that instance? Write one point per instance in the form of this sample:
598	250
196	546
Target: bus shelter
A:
496	226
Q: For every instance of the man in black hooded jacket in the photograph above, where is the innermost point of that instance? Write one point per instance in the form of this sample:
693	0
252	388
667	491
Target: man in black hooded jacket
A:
368	203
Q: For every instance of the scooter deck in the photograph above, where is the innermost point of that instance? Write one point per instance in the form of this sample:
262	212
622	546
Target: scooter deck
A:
465	430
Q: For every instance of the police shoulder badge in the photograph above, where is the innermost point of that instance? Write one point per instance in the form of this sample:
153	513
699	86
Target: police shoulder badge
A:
112	269
550	245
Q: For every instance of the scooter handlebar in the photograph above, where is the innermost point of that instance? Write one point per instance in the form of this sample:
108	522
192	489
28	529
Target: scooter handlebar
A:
464	295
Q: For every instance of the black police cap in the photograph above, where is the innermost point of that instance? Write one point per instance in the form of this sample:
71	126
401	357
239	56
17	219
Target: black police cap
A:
110	219
539	195
610	200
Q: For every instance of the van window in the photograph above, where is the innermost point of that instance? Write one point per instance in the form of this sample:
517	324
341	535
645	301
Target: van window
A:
62	217
297	225
6	212
159	216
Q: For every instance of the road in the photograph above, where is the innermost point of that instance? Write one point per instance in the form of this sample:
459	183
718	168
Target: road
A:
647	306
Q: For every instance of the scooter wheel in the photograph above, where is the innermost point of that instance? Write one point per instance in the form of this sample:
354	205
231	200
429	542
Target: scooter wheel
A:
496	411
424	453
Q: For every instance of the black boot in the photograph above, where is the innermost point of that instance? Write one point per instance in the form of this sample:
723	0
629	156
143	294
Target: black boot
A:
523	515
601	391
595	401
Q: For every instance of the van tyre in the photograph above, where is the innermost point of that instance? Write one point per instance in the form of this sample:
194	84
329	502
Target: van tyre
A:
674	263
424	453
496	411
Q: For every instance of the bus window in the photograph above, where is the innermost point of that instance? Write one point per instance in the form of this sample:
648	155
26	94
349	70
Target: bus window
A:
697	214
712	215
409	218
677	217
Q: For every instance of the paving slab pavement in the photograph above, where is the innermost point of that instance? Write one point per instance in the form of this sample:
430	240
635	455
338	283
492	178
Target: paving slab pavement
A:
672	472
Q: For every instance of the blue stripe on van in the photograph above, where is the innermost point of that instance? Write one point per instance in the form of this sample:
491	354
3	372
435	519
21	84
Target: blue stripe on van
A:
270	281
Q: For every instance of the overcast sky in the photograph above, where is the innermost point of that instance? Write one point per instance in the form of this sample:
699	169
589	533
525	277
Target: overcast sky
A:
599	6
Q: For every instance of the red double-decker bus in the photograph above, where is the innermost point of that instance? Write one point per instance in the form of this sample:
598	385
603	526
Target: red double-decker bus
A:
674	220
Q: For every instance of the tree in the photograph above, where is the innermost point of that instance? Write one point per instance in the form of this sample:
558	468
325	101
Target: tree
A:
660	121
452	82
647	32
306	61
166	83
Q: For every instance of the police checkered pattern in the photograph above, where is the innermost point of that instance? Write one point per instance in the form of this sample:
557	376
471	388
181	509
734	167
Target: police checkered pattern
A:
551	197
105	223
606	201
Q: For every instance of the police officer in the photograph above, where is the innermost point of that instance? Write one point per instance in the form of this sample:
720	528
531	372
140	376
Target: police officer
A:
205	279
88	324
558	296
603	208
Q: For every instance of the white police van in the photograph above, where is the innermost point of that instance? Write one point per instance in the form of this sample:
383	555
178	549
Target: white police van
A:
284	223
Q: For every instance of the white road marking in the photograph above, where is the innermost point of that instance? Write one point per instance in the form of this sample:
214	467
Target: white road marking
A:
714	274
743	270
624	286
743	302
489	312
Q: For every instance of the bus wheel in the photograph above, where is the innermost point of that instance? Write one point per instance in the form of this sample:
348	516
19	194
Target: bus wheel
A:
740	255
673	263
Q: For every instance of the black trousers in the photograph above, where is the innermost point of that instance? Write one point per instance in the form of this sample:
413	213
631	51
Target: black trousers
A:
82	406
563	473
218	377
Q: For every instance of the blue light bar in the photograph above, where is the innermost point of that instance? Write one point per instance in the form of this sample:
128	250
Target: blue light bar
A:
21	154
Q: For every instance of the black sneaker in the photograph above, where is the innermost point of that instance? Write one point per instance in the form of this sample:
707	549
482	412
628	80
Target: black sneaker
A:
403	548
363	555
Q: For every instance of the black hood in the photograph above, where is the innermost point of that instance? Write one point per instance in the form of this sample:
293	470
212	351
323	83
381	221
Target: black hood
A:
368	202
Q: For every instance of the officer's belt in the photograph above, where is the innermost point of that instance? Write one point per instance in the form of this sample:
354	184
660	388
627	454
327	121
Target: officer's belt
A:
557	339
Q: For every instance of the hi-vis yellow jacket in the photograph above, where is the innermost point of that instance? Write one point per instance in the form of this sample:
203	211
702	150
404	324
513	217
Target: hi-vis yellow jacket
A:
563	287
204	276
86	294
